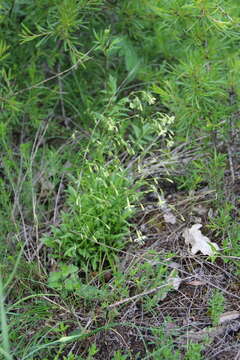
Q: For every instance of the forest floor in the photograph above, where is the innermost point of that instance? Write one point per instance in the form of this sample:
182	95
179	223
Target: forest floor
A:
162	301
193	315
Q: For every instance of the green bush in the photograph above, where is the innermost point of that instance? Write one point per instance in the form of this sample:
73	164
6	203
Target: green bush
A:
95	223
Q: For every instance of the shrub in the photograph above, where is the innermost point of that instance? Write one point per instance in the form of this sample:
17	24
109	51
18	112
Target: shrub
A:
95	223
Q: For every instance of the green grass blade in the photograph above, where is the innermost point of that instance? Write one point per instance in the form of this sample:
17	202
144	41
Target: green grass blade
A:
5	354
11	276
5	341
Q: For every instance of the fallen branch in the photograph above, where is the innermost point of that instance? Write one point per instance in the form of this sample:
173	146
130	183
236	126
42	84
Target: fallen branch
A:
148	292
137	296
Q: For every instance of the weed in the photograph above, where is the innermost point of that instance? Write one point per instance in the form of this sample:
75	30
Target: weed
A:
222	222
99	207
119	356
164	346
231	246
194	352
5	349
216	306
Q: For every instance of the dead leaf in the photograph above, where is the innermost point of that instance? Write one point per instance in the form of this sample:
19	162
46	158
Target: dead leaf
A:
174	265
200	210
174	280
198	241
229	316
170	218
196	283
210	213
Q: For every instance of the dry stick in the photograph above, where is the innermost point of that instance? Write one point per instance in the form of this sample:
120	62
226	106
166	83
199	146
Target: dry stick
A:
137	296
148	292
222	270
57	199
17	191
122	338
213	285
237	357
65	309
60	84
157	166
190	276
230	347
164	263
230	160
61	92
74	66
57	304
37	142
196	336
231	257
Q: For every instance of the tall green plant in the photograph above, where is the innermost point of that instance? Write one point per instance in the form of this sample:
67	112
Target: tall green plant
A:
99	206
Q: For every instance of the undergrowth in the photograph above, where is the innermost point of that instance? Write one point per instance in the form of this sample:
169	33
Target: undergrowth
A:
118	128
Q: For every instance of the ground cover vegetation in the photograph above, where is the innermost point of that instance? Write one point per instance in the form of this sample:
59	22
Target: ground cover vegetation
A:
119	178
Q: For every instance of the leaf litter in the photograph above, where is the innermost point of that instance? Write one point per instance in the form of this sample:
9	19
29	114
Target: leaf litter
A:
188	306
199	242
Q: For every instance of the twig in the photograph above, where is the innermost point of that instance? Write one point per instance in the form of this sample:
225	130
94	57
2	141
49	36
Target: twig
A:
73	67
210	332
57	198
60	84
148	292
135	297
237	357
230	159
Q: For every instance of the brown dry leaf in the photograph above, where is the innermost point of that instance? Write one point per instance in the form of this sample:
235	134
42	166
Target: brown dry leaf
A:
198	241
229	316
196	283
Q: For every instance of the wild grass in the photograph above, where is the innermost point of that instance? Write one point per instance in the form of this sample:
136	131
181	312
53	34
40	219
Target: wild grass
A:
108	110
